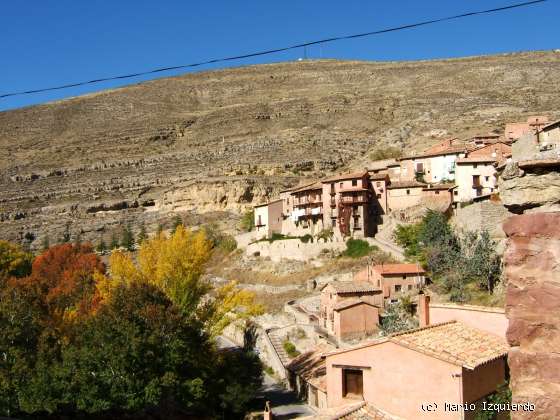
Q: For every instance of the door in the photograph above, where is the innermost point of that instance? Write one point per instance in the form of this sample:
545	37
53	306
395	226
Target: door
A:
353	386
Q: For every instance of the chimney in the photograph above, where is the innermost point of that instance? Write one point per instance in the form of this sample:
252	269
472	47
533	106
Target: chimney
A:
423	309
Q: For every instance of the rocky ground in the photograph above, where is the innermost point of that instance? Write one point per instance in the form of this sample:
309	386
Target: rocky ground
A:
224	140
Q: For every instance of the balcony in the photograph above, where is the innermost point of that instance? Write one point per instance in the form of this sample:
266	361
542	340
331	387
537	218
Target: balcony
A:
359	199
477	186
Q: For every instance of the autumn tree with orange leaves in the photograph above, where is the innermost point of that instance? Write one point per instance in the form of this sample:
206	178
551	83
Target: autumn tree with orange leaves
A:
77	338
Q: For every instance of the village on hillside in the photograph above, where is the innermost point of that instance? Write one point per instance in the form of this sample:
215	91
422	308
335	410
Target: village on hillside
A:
341	348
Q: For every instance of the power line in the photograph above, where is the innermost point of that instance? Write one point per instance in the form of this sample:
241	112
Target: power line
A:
276	50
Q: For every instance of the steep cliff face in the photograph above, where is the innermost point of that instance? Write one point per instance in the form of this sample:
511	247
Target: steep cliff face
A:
533	307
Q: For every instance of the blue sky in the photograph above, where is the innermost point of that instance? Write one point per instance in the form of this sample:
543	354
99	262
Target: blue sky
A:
51	42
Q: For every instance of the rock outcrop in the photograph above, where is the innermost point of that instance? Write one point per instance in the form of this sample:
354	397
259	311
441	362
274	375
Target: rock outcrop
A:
533	307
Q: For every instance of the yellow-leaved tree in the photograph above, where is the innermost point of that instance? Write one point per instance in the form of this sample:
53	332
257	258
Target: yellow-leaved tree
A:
175	265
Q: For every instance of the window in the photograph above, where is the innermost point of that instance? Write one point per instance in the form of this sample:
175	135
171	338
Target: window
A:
378	183
486	178
333	220
354	182
352	383
410	287
398	287
407	192
437	191
475	166
404	277
341	184
455	192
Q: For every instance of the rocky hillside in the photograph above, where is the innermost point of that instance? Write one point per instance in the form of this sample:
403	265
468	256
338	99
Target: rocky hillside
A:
221	140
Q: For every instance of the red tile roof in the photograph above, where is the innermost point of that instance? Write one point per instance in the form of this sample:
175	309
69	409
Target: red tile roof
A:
352	175
309	187
348	303
405	184
352	286
476	159
398	269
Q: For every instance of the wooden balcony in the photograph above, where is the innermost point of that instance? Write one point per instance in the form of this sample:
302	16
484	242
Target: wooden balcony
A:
359	199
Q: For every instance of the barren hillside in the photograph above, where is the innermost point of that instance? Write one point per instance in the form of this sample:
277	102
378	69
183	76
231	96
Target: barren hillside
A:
221	140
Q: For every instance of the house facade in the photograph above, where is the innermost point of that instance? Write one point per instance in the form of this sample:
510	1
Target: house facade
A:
449	363
404	194
349	204
549	135
476	177
350	308
268	218
393	279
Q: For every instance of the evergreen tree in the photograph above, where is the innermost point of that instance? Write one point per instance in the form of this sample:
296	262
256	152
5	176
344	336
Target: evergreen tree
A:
66	234
142	235
177	221
127	241
114	241
101	246
46	243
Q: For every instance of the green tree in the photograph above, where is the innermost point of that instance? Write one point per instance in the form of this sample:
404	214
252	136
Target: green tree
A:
397	318
66	234
114	241
46	243
127	240
177	221
101	246
247	222
142	235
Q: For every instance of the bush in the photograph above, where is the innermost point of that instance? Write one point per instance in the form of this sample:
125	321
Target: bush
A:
326	235
306	238
387	152
356	248
290	348
398	318
247	222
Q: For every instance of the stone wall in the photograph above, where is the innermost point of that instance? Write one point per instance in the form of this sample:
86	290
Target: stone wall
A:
532	266
485	215
293	249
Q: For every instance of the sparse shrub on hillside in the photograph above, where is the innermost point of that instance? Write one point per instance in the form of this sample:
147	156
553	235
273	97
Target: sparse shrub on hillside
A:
356	248
101	246
306	238
326	235
177	221
397	318
247	222
387	152
114	241
290	349
219	239
127	241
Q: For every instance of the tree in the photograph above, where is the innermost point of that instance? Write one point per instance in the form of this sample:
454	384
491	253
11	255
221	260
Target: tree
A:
142	235
397	318
46	243
127	240
177	221
101	246
114	241
14	262
66	235
247	222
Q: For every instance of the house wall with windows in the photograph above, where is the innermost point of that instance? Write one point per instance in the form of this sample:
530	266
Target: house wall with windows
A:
394	379
402	196
475	177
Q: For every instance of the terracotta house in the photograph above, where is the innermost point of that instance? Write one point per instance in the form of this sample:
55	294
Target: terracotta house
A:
350	309
307	377
498	151
449	363
393	279
379	184
268	218
443	193
476	177
401	195
549	135
349	204
307	213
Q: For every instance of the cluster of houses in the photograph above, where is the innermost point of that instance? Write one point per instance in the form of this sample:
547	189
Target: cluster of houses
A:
441	177
457	356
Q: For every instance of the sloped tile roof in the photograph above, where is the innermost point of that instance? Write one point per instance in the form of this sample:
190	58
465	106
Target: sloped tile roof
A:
308	187
351	175
405	184
352	286
347	303
398	269
476	159
311	367
454	342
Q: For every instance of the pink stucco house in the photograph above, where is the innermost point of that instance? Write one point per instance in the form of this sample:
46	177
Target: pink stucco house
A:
414	374
350	309
393	279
